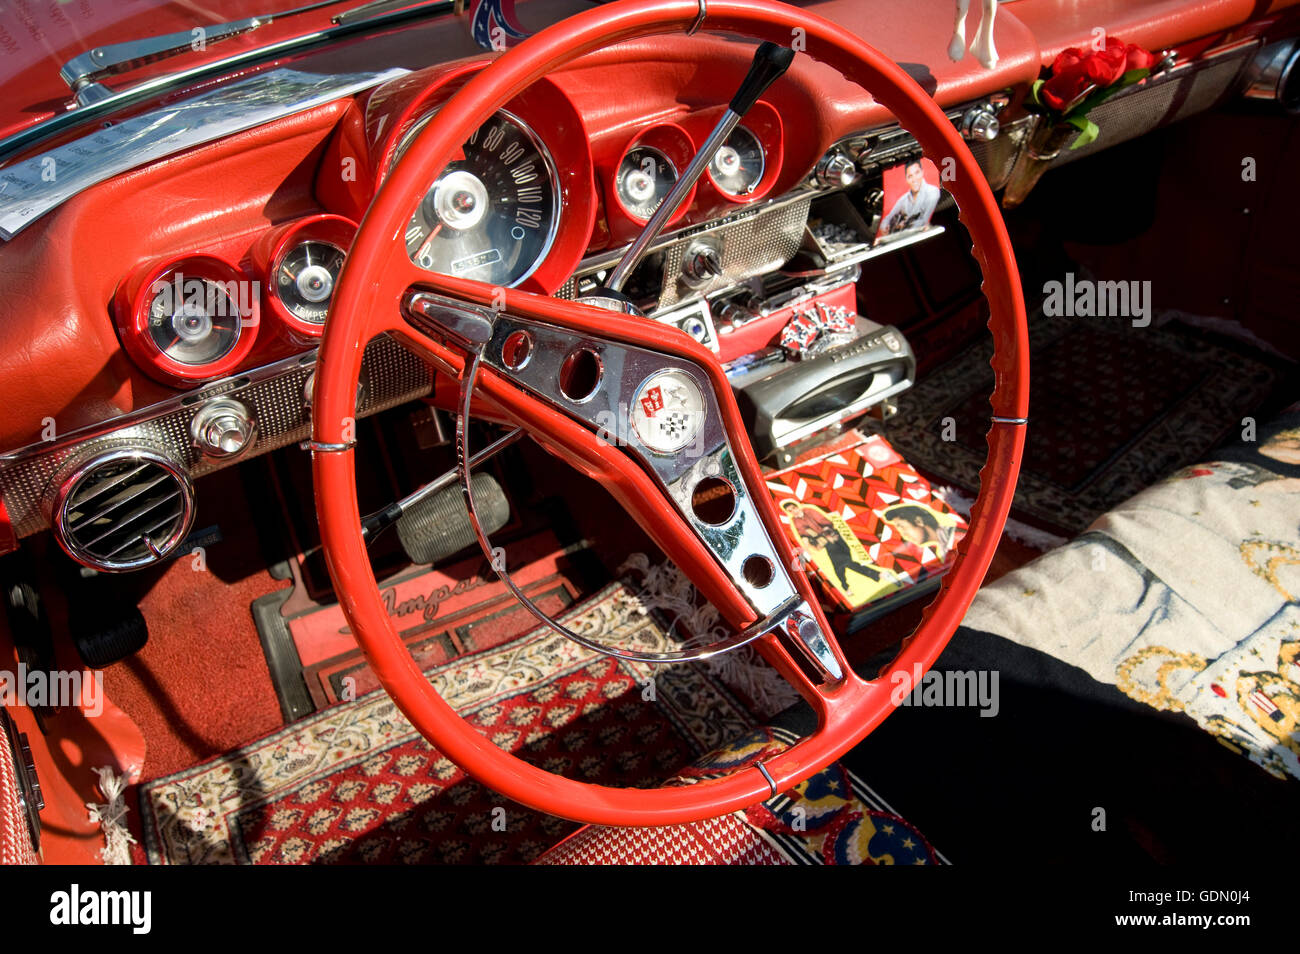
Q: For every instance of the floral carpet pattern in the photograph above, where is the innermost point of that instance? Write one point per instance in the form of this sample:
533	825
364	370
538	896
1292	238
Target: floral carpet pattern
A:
355	783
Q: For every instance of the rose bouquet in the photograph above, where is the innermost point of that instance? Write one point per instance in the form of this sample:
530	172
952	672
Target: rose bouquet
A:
1079	80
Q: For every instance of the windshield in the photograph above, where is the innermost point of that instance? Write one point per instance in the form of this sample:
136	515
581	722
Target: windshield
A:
38	37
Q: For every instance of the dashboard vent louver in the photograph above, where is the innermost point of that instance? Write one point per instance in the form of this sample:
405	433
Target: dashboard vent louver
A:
123	509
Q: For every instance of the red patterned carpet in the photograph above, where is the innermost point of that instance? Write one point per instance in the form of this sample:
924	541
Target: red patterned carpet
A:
833	818
356	784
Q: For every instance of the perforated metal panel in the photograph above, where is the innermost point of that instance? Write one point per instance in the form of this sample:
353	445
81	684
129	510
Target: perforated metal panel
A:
274	395
749	247
997	158
752	242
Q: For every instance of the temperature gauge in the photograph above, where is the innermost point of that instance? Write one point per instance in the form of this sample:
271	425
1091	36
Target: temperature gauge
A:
305	279
737	166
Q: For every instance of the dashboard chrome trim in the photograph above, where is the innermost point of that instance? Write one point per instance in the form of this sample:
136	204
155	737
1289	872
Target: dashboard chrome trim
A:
274	395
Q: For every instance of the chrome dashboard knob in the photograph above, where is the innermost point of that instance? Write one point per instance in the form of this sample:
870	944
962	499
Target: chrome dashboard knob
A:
701	263
223	428
980	124
837	171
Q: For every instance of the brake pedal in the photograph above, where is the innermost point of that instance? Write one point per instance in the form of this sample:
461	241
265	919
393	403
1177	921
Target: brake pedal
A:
101	642
439	526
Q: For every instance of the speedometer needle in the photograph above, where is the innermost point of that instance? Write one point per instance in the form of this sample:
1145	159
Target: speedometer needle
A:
429	241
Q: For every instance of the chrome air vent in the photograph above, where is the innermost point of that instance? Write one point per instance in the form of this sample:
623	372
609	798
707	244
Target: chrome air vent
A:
122	509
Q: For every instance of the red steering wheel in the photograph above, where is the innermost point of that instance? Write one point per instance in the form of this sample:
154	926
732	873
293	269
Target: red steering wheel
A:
370	299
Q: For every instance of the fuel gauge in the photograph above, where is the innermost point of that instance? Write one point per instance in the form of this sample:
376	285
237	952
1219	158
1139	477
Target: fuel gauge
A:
645	177
193	321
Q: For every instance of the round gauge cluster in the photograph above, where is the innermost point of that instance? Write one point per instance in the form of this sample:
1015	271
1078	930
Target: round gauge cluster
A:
195	318
302	262
491	216
644	177
305	279
745	168
737	167
189	319
649	167
194	321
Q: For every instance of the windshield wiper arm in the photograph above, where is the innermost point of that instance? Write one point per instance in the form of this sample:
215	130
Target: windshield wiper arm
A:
82	71
367	10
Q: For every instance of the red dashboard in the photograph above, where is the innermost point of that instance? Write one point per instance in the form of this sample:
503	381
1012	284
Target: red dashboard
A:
75	347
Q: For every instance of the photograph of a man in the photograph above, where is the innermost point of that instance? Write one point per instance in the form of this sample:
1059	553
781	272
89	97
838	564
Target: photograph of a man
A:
817	532
912	210
921	527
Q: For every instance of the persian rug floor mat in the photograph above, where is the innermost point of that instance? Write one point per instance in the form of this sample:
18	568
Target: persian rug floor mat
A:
355	783
1113	409
832	818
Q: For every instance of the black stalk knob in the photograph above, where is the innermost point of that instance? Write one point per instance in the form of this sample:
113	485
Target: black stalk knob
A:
770	63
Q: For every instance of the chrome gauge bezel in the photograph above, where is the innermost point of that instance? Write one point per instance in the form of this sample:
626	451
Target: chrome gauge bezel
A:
618	178
548	162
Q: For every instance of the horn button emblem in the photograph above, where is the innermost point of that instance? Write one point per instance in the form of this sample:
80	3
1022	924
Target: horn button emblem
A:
668	411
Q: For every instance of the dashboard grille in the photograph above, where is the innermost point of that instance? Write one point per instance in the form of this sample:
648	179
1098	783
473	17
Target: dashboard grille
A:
123	509
274	394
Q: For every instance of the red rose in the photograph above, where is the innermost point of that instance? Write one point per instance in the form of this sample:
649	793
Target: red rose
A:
1105	67
1063	89
1066	60
1138	58
1075	71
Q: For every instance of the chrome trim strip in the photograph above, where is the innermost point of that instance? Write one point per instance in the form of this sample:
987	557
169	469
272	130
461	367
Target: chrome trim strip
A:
1010	420
323	448
699	18
767	775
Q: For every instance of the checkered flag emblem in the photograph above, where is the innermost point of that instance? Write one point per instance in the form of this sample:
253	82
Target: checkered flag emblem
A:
675	423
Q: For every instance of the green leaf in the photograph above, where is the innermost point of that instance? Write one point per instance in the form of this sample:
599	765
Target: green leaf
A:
1087	131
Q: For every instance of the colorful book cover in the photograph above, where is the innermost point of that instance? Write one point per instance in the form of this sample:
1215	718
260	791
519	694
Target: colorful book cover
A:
867	523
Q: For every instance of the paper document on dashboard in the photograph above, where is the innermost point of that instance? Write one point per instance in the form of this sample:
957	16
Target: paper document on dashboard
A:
31	188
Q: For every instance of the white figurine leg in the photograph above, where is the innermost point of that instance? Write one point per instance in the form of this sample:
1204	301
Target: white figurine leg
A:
983	47
957	48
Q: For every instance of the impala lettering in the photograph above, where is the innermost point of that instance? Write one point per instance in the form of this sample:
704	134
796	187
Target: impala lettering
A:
426	604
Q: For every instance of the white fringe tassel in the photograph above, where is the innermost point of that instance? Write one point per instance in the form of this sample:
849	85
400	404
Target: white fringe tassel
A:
665	587
111	817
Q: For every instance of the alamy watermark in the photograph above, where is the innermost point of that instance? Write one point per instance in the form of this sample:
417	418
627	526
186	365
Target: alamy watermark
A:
1085	298
55	689
958	688
216	299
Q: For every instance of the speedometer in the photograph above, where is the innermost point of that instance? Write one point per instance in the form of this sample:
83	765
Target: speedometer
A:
490	216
